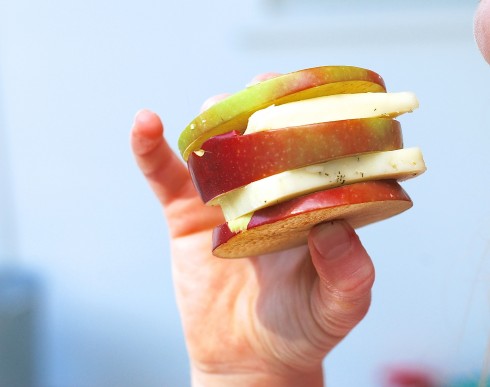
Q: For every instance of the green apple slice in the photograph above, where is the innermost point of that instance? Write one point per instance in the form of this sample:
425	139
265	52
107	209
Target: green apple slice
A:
233	112
332	108
398	164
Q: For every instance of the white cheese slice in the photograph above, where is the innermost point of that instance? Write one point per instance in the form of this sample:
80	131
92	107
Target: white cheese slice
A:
240	223
398	164
332	108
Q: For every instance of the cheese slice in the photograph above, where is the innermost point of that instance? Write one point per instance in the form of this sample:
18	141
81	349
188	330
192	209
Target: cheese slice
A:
398	164
332	108
240	223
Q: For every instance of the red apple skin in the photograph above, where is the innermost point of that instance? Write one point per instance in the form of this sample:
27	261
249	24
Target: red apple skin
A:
232	160
287	224
233	112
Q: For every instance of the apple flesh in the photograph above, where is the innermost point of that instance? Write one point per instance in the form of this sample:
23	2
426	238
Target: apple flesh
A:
233	112
287	225
231	160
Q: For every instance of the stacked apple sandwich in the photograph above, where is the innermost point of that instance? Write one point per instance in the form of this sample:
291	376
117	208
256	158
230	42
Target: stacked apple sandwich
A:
297	150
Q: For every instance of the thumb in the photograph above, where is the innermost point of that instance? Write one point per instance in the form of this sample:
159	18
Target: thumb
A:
345	278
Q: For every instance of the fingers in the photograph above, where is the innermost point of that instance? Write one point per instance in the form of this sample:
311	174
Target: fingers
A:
482	28
162	168
346	275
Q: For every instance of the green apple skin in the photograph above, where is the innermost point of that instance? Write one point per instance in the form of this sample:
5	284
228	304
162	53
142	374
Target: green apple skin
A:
233	112
287	225
232	160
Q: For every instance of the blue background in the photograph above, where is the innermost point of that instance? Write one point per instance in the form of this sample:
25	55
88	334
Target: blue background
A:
77	218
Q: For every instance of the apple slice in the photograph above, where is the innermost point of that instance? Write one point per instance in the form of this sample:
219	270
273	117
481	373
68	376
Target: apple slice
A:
398	164
287	224
233	112
231	160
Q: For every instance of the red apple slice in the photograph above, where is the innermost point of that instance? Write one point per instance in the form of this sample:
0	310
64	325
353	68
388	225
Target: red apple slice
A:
232	160
287	224
232	113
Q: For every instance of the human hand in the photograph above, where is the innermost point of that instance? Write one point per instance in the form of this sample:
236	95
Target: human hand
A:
258	321
482	28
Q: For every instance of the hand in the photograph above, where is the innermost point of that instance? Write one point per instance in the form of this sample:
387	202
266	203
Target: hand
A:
260	321
482	28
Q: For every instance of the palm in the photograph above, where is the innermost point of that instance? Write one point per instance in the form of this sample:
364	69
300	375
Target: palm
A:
256	308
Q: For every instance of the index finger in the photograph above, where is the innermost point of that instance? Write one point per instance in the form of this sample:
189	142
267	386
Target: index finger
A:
164	171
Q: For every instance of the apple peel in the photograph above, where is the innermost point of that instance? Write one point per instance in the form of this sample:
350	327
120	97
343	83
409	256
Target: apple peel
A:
287	225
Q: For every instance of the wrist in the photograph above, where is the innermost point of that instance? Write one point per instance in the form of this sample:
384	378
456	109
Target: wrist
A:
312	378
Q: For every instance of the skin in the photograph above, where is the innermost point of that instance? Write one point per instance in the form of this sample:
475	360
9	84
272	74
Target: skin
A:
259	321
482	28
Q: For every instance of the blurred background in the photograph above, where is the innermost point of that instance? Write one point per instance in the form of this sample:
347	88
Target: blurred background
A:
86	297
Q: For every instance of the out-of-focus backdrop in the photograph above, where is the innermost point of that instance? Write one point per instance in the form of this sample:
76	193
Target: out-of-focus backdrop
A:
86	297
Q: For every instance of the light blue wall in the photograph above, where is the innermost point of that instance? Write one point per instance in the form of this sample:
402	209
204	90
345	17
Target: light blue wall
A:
72	75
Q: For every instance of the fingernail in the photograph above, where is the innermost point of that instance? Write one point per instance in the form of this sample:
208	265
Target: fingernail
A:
332	240
142	115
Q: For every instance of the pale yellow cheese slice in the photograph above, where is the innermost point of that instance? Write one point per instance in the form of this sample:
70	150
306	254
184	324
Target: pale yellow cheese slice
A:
398	164
332	108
